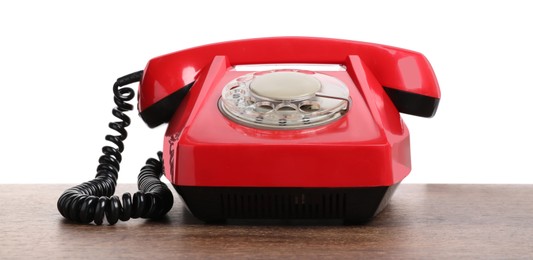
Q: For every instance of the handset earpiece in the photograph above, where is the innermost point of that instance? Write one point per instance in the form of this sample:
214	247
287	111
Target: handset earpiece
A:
413	103
162	111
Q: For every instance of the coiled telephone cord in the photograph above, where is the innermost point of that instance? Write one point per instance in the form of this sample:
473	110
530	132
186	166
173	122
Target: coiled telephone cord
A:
92	200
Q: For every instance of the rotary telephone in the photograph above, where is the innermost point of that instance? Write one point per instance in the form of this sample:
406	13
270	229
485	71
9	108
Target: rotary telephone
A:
282	143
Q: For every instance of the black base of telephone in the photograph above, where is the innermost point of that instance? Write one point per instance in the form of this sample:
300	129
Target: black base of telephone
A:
352	205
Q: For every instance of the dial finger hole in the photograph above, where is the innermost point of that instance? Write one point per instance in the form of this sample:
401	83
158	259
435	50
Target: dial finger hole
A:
286	107
264	107
309	107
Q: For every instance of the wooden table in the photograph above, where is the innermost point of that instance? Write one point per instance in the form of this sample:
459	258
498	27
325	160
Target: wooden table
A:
422	221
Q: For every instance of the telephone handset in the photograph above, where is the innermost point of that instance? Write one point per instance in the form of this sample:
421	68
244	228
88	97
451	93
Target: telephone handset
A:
406	76
285	143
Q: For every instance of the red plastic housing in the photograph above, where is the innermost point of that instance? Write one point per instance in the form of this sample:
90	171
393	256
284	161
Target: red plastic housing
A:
367	147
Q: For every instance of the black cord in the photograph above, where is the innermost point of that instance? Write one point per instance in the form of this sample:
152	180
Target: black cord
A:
91	200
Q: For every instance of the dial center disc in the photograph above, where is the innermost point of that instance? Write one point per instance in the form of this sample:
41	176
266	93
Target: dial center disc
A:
285	86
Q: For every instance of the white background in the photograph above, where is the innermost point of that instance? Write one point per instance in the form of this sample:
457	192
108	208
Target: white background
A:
59	59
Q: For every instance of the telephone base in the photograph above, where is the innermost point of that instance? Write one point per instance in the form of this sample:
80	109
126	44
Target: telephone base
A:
352	205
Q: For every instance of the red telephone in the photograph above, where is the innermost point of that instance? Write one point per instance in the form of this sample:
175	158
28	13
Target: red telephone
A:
284	143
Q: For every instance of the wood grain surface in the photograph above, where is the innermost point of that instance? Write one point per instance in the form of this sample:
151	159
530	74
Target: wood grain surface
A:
422	222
